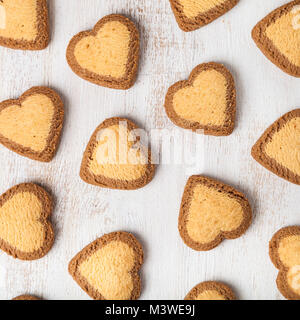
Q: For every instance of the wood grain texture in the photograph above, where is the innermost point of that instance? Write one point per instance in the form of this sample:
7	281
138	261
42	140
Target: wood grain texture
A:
83	212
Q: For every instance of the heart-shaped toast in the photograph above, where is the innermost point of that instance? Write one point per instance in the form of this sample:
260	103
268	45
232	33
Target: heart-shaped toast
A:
116	157
278	37
193	14
25	230
211	290
285	254
108	55
24	24
278	149
26	297
210	212
107	269
31	125
204	103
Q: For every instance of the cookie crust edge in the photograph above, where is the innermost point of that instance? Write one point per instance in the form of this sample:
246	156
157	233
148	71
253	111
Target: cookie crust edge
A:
220	287
122	236
266	45
126	81
281	280
223	130
55	130
47	207
262	158
104	182
187	24
43	36
185	205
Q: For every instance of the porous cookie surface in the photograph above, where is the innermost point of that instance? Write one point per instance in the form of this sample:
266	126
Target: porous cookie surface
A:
211	290
32	124
108	55
206	102
116	158
193	14
24	24
278	37
107	269
25	230
26	297
278	148
285	254
210	212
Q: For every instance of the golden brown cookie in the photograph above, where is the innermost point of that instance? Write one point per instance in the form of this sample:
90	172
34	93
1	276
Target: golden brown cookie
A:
116	158
108	55
206	101
24	24
285	254
26	297
210	212
26	232
107	269
278	37
193	14
211	290
278	148
31	125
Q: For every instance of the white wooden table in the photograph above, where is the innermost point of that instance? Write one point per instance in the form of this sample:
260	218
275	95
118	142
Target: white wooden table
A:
83	212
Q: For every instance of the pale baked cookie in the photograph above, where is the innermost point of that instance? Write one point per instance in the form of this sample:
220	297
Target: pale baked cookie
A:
31	125
193	14
278	149
205	102
25	229
210	212
278	37
211	290
108	55
26	297
107	269
24	24
116	158
285	254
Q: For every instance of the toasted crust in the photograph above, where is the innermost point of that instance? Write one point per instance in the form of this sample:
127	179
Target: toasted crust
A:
55	131
26	297
133	56
47	207
187	24
281	281
43	37
266	45
221	187
223	130
220	287
105	182
125	237
258	150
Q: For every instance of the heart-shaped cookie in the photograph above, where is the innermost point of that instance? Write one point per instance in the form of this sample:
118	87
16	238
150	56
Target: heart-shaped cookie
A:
26	297
278	37
107	269
193	14
278	149
32	124
285	254
211	290
108	55
24	24
206	102
25	230
210	212
116	157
